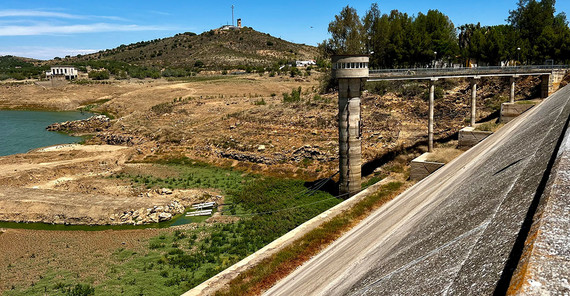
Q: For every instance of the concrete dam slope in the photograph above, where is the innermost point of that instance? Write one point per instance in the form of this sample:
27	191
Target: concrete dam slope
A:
461	231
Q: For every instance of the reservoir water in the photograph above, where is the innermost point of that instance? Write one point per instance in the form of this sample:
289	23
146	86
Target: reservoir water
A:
21	131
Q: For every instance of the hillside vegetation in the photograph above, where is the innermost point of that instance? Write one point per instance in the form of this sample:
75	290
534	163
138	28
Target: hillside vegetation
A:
19	68
215	49
182	55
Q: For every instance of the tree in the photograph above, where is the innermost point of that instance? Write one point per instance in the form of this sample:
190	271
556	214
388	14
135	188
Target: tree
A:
346	31
534	34
440	32
540	31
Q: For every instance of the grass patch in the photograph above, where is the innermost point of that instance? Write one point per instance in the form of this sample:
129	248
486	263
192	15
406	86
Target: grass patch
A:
443	155
61	283
260	102
494	103
525	102
490	126
85	139
192	174
175	261
180	260
270	270
375	179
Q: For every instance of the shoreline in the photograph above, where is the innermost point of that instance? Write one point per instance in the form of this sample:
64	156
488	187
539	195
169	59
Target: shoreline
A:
90	227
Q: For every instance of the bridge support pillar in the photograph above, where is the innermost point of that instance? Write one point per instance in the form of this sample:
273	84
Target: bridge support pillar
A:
545	86
351	72
349	135
430	118
473	101
512	96
551	82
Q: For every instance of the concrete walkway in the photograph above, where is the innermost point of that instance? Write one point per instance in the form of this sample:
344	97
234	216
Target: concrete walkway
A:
457	231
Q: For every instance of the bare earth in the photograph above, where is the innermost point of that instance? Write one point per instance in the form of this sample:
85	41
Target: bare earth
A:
70	184
233	120
28	254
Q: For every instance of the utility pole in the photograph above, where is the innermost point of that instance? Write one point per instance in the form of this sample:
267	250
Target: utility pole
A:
232	15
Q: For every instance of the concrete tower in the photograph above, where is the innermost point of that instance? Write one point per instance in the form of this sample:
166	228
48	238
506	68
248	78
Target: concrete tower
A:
351	72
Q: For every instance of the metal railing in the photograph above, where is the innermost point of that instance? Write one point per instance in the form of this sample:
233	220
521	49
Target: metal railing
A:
417	72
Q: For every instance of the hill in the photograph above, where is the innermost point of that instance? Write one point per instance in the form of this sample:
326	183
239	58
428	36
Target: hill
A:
19	67
214	49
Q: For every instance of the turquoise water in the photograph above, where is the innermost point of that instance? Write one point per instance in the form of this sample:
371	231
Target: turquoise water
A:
21	131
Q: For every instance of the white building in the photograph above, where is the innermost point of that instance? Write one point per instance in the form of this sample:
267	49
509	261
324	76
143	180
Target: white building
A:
66	72
305	63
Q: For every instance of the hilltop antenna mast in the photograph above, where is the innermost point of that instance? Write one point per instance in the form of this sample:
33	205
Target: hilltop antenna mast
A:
232	15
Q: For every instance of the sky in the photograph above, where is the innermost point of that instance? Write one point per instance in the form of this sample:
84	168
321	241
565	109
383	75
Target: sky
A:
46	29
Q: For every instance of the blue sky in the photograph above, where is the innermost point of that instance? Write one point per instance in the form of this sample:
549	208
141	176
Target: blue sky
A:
45	29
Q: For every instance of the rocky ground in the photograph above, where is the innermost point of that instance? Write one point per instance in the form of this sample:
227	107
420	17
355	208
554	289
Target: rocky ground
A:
239	121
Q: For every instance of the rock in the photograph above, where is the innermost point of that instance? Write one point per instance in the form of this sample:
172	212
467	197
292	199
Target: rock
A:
310	152
164	217
261	148
153	217
248	157
165	191
118	139
92	124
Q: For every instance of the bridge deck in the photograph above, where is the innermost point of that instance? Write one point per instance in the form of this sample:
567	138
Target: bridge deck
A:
441	73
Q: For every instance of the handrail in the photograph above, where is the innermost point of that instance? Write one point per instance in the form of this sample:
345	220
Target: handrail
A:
465	70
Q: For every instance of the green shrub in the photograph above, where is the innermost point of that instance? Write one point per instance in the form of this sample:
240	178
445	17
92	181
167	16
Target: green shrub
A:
494	103
260	102
294	97
99	75
294	72
378	87
437	94
414	89
80	290
162	108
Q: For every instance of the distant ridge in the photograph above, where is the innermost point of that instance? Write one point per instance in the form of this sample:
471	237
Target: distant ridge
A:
214	49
